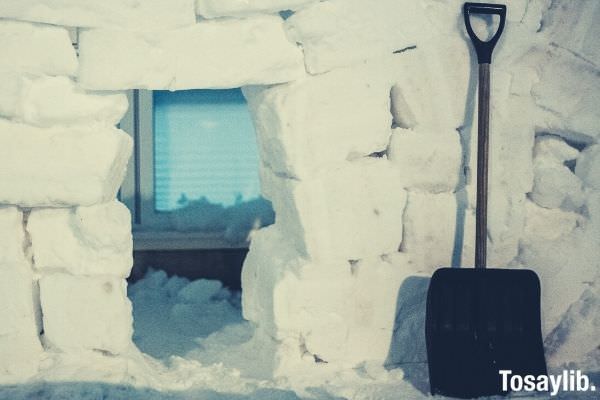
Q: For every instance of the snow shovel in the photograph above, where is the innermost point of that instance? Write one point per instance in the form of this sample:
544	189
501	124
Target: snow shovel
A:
480	321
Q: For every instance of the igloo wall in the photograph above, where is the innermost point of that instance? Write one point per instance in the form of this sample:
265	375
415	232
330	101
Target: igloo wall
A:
364	115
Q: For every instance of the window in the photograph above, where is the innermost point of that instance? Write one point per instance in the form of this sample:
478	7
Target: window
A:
193	179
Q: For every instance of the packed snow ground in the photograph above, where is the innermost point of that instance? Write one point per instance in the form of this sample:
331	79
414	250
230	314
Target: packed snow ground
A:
198	346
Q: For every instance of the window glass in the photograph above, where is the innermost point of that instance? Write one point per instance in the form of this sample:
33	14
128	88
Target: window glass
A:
206	159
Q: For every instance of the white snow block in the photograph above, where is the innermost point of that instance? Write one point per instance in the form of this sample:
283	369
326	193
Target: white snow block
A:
426	161
56	100
342	313
94	240
36	49
563	248
567	96
576	337
439	230
10	90
554	185
61	166
426	88
430	230
588	166
12	236
318	121
86	313
244	8
20	347
210	54
574	26
349	213
336	33
554	148
141	15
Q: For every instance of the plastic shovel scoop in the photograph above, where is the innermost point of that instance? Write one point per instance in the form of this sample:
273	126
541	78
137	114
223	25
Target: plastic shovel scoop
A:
482	320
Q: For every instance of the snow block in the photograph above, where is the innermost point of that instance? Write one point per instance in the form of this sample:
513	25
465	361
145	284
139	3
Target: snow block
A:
142	15
563	248
20	347
36	49
94	240
555	186
567	96
342	313
61	166
418	73
439	230
86	313
426	161
315	122
337	33
554	148
50	101
574	26
12	236
210	54
588	166
348	213
429	229
244	8
575	339
10	89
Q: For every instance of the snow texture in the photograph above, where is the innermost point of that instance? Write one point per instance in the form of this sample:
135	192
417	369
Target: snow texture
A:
135	15
337	33
321	215
336	287
315	122
19	343
244	8
61	166
568	95
428	162
48	49
588	166
346	314
83	313
48	101
93	240
249	51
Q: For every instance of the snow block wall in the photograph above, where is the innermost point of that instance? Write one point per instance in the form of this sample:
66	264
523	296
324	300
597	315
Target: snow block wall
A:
364	113
67	243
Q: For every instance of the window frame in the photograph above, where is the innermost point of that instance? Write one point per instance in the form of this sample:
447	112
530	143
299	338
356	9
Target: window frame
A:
137	190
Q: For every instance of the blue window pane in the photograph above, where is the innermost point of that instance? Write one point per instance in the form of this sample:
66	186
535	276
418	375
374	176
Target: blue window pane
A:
204	148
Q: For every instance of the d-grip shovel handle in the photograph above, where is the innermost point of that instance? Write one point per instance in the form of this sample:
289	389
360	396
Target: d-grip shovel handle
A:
484	57
484	49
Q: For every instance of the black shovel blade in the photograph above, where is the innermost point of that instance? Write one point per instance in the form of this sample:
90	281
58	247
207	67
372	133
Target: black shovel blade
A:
478	322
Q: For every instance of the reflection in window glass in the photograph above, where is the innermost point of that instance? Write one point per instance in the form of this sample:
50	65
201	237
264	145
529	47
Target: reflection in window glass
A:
205	149
206	164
